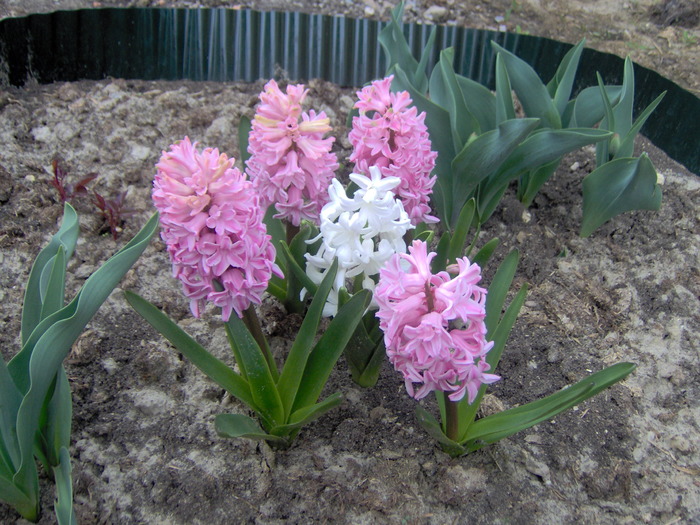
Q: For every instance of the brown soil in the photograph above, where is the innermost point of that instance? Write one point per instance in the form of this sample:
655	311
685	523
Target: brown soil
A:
144	448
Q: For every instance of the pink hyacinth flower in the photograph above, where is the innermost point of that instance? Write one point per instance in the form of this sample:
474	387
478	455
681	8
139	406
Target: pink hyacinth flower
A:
212	226
390	134
291	164
433	324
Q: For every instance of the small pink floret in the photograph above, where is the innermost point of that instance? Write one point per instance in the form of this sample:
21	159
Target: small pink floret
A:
291	164
433	324
390	134
212	226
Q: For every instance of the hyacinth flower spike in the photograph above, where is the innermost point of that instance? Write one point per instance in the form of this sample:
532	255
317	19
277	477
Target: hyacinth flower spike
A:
361	233
212	226
447	334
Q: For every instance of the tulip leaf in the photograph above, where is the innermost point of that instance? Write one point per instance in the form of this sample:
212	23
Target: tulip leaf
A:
559	88
587	109
480	101
531	91
505	109
35	293
65	514
618	186
485	154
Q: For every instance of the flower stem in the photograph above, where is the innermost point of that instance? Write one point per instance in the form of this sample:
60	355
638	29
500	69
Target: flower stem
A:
250	318
452	417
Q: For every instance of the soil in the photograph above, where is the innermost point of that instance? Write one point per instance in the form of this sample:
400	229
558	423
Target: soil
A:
143	445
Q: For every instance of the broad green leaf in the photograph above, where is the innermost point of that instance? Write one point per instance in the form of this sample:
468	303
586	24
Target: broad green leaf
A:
445	92
505	109
54	286
533	180
531	91
66	237
399	54
626	148
60	414
51	340
508	422
602	151
212	367
244	128
587	109
10	400
439	262
541	147
290	378
485	154
480	101
260	378
63	505
276	230
624	108
328	349
24	502
559	88
238	425
437	120
618	186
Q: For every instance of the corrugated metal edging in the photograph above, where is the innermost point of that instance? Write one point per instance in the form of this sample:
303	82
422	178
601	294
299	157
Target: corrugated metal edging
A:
243	45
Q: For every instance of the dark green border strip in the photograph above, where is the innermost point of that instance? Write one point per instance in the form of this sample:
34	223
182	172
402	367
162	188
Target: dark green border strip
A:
242	45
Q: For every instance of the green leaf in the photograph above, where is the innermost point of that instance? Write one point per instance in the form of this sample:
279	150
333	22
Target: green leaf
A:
290	378
35	367
24	502
63	505
531	91
308	414
437	120
587	109
66	238
60	414
618	186
260	378
54	287
10	400
485	154
459	237
398	53
498	290
626	148
559	88
277	231
480	101
244	128
540	148
534	180
294	269
505	109
328	349
508	422
445	92
238	425
433	428
484	255
212	367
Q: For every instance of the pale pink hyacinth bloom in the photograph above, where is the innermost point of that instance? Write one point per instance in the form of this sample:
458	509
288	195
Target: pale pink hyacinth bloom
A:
433	324
291	164
390	134
212	226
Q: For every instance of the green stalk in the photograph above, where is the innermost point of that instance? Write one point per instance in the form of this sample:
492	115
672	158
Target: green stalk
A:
451	418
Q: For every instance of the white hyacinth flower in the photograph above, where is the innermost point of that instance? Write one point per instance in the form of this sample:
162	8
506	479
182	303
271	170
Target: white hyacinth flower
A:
362	232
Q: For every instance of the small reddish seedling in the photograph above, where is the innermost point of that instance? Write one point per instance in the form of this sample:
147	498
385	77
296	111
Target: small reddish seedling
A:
113	211
68	191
